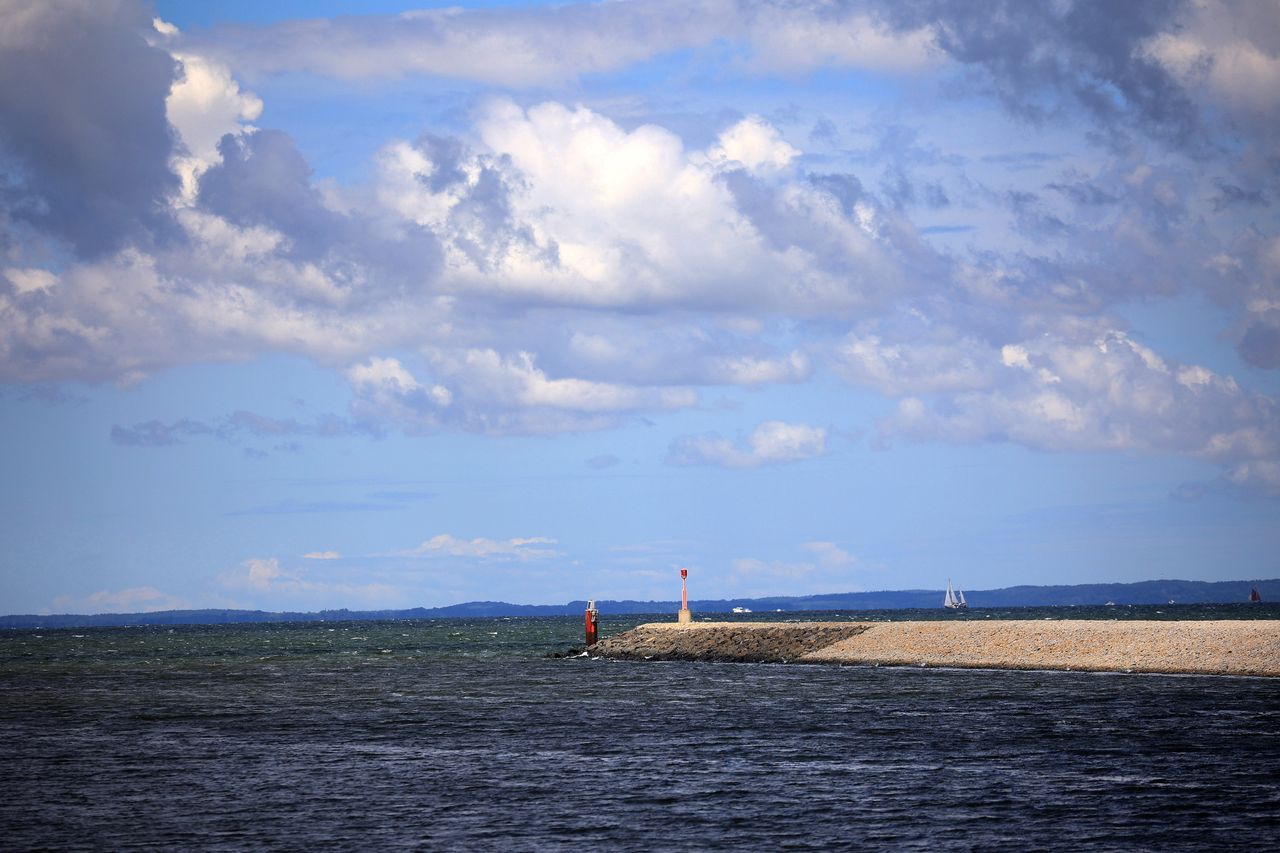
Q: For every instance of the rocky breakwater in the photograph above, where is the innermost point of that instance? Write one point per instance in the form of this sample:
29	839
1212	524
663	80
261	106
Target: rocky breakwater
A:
759	642
1223	647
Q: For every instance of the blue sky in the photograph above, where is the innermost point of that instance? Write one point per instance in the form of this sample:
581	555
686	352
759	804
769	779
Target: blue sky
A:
363	305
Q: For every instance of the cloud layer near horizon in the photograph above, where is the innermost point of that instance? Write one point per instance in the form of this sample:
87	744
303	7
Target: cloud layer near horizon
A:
564	267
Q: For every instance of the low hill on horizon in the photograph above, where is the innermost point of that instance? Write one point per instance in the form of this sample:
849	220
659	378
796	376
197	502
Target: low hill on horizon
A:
1142	592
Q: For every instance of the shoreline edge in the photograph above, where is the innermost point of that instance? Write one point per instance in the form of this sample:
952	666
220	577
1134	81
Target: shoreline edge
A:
1217	647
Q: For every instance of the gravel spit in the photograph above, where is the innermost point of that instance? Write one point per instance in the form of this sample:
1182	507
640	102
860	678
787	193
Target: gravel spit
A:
1225	647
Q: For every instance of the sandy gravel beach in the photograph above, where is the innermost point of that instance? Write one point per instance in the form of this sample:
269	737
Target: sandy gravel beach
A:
1207	647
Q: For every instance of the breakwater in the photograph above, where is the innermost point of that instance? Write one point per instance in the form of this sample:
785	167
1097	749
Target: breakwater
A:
1223	647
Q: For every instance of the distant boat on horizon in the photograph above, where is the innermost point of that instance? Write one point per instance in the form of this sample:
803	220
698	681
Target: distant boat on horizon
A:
955	599
1255	596
742	610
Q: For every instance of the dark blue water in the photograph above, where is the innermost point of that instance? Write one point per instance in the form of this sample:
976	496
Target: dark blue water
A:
460	735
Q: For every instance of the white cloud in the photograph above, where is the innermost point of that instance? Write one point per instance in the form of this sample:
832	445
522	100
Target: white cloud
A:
30	280
164	28
1109	393
633	219
827	566
558	204
141	599
752	144
322	555
794	39
386	391
1012	355
1256	476
483	391
511	47
540	46
271	585
753	370
261	573
224	246
915	366
755	569
515	379
578	271
380	373
205	103
1219	52
830	555
772	442
777	441
563	205
521	549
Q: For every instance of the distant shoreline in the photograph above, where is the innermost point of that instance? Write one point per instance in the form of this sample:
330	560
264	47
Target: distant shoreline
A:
1141	593
1217	647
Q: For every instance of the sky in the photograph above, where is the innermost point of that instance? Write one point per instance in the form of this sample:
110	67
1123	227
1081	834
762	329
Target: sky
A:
384	305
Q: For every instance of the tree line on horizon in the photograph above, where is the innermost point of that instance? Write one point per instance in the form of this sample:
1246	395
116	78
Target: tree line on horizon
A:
1142	592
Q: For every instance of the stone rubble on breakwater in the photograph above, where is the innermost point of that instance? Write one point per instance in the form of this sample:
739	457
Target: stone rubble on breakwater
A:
1222	647
748	642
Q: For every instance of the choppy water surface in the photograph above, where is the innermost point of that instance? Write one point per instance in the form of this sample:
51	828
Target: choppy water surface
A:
459	734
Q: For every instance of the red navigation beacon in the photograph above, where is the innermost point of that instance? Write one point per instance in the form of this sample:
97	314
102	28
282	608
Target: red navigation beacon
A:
592	620
685	616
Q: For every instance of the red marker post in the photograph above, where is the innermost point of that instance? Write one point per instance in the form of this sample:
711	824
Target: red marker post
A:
685	616
592	617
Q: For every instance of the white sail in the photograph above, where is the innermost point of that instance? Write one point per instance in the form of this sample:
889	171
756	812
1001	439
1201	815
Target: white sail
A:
950	600
960	599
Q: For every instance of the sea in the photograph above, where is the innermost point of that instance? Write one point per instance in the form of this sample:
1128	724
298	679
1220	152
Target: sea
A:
465	735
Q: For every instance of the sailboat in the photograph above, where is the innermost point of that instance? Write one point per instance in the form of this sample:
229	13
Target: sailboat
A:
1255	597
955	599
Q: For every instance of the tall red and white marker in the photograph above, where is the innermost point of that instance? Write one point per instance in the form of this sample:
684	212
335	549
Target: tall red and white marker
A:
685	616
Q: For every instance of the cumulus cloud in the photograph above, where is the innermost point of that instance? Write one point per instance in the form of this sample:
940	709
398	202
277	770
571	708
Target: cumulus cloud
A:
830	555
915	366
827	563
770	443
483	391
555	267
205	104
560	205
92	170
671	349
1257	476
1046	61
268	583
566	206
752	144
30	280
1132	65
520	549
263	181
141	599
1105	393
1226	51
